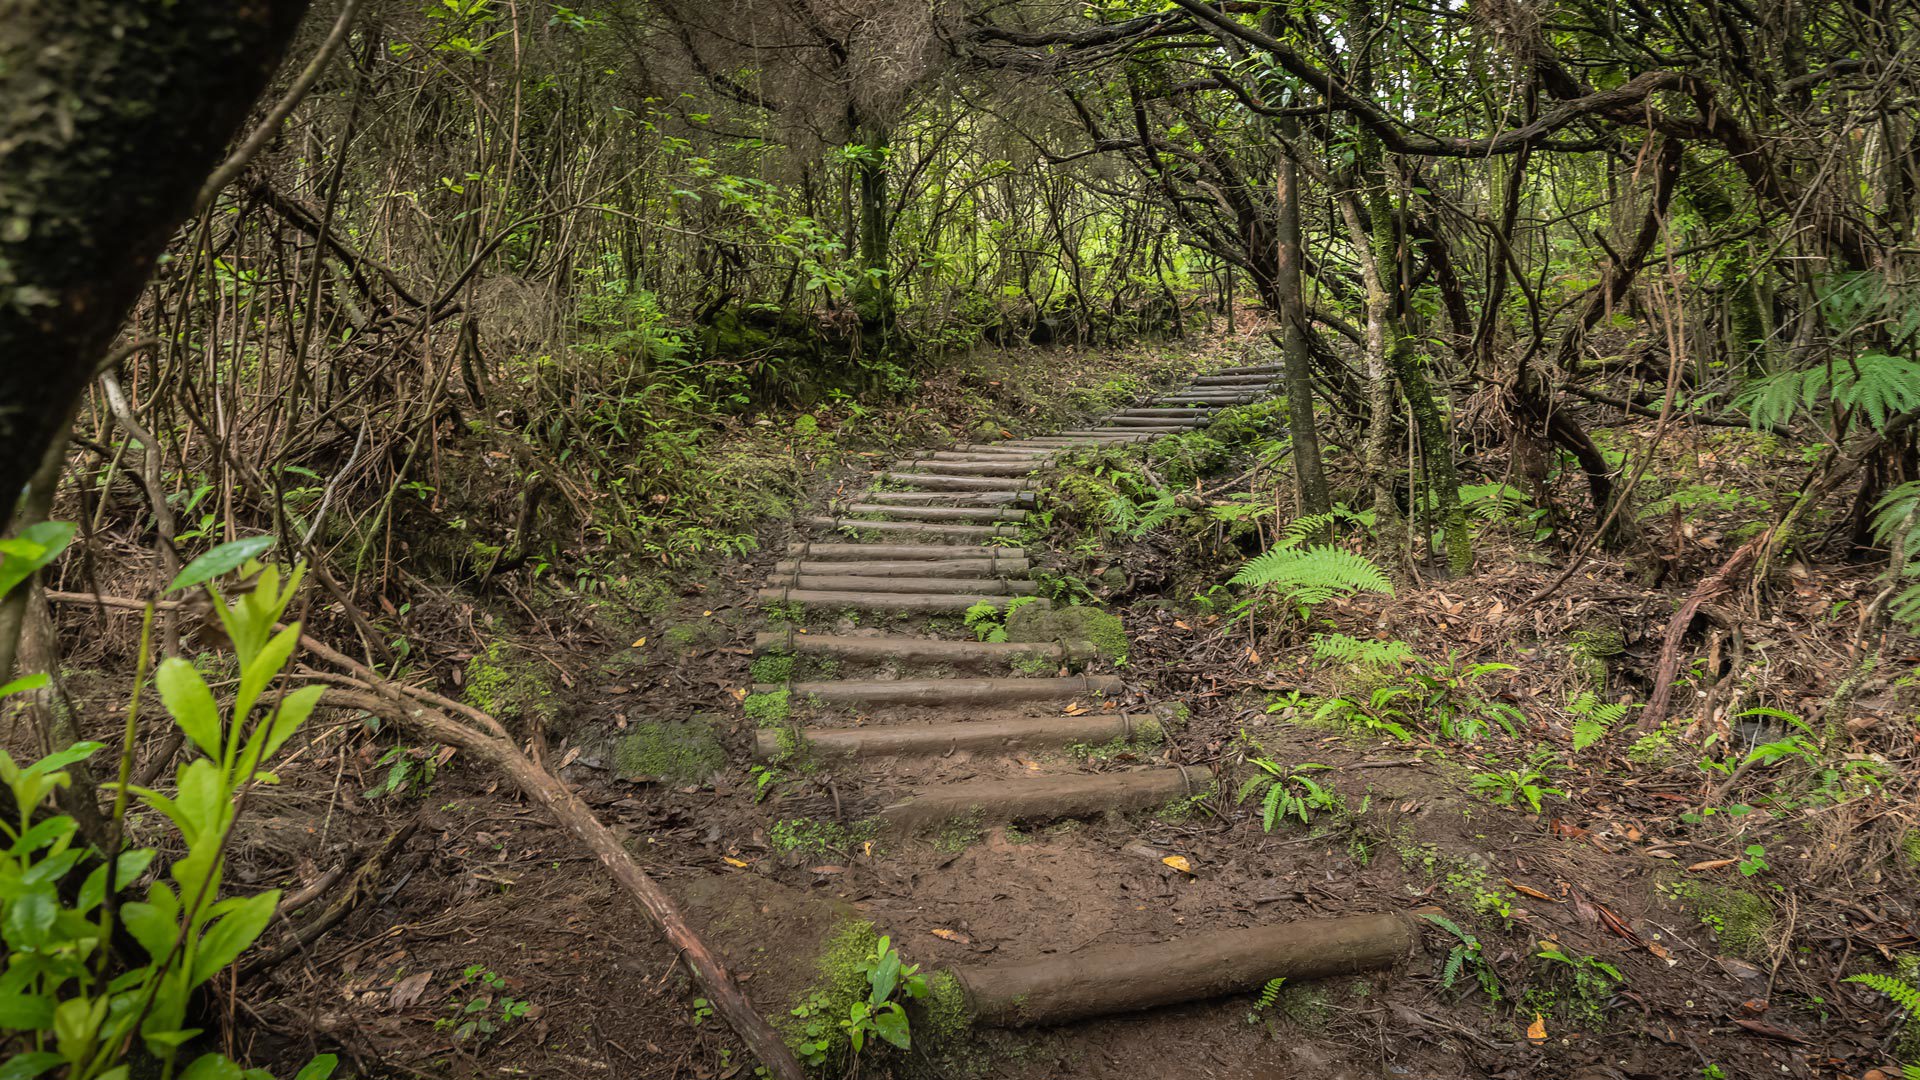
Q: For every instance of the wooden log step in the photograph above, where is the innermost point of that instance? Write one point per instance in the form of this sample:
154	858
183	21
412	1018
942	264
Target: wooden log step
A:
922	603
1013	466
939	482
1255	369
949	498
1161	430
1028	454
953	691
1044	797
988	586
919	650
1010	448
1223	400
984	735
899	568
1234	380
830	549
937	513
1176	411
919	528
1064	987
1159	419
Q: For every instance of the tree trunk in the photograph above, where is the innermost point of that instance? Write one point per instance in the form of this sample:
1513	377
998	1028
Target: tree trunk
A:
111	116
1309	470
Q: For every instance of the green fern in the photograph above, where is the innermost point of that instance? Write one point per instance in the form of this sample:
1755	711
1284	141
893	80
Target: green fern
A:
1874	385
1904	994
1492	502
1594	718
1269	994
1309	576
1341	649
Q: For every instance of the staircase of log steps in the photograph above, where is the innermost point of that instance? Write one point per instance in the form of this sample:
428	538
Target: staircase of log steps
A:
936	549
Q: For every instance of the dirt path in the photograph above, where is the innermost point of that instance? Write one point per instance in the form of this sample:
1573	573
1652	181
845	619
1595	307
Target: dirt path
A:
998	776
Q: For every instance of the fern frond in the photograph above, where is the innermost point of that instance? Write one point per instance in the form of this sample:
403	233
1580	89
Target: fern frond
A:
1903	993
1313	575
1351	650
1270	809
1300	528
1269	993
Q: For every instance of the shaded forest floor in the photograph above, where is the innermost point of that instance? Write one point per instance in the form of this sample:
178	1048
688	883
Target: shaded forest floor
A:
1651	917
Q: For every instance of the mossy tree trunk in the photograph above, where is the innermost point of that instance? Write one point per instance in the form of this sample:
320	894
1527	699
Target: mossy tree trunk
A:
112	113
874	296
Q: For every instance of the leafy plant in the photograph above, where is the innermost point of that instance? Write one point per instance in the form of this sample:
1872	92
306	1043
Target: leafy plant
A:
1465	956
475	1019
86	1014
1339	648
1269	994
1304	577
1504	787
408	769
988	621
1873	384
1593	718
880	1014
1289	793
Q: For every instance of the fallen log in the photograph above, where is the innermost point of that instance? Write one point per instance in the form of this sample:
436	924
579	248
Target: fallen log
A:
1123	978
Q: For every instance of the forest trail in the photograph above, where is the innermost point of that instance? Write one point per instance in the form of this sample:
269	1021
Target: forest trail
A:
954	746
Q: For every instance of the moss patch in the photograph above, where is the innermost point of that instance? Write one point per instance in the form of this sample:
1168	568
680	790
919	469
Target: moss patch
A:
770	709
509	687
942	1016
686	752
1741	921
1031	622
773	668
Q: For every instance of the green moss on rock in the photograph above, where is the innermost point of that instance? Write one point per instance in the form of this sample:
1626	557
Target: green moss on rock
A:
687	752
1031	622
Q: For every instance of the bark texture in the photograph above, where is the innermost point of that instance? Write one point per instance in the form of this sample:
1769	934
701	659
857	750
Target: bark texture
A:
112	113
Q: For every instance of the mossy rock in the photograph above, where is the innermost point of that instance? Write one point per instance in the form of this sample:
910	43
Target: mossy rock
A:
1033	623
685	752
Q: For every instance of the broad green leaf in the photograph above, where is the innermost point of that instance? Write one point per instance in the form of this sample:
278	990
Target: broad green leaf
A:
229	937
127	869
35	547
224	559
891	1025
211	1067
29	1064
60	759
25	683
29	917
320	1068
153	928
190	703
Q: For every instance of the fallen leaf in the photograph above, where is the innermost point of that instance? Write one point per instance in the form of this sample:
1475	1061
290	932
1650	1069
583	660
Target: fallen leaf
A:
408	990
1761	1027
1181	625
572	756
1529	891
1537	1031
1662	952
1075	709
640	642
1179	862
731	861
954	936
738	695
1713	864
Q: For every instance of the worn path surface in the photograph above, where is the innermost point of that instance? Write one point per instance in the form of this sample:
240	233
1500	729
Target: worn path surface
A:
986	757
